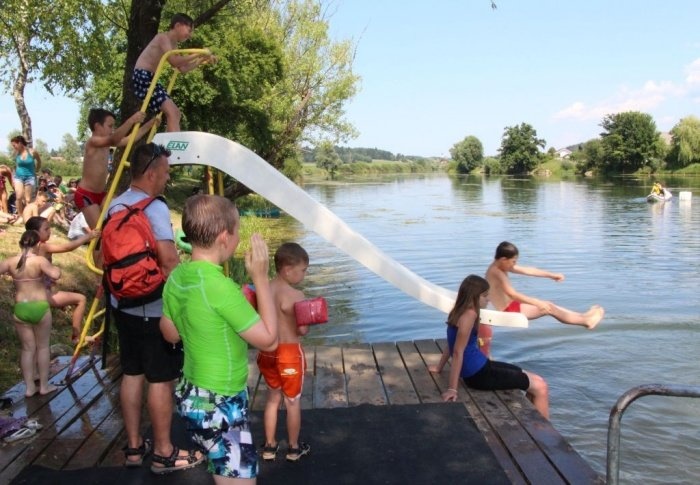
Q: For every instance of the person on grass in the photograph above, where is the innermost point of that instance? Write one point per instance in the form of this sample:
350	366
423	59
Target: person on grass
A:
207	311
61	299
32	313
470	364
284	368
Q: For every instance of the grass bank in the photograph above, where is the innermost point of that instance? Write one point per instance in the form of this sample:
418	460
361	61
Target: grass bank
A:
77	277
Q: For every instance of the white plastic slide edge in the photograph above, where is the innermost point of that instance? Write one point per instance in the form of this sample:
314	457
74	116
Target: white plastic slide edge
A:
197	148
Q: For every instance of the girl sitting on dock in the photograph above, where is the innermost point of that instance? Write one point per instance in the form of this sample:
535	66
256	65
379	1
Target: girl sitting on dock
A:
31	312
469	363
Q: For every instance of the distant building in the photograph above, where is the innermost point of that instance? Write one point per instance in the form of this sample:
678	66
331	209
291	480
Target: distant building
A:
666	137
563	153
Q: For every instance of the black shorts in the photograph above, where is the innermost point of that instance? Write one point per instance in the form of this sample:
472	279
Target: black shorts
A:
498	376
143	350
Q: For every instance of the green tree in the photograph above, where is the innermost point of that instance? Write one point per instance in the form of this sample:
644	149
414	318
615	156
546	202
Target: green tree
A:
468	153
58	43
685	146
589	156
326	158
630	142
70	149
520	149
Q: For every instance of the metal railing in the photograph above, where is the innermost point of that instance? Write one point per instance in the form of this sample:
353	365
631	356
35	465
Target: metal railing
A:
624	401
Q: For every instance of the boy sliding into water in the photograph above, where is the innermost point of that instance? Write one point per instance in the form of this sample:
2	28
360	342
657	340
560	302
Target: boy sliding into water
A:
181	28
207	310
284	368
91	188
505	298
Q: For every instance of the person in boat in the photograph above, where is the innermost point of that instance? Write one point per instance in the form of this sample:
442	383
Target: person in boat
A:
32	313
657	189
471	365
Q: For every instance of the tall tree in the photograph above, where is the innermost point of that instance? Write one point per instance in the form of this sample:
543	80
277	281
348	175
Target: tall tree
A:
630	142
326	158
468	153
58	43
685	146
520	149
70	149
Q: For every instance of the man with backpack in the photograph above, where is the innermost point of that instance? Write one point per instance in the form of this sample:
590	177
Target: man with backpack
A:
134	246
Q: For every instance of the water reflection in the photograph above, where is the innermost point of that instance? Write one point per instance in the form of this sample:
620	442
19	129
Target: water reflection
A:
639	260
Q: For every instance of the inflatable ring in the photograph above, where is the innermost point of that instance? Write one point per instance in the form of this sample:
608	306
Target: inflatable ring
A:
180	243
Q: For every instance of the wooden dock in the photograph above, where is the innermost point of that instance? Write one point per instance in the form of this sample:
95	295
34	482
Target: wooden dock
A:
83	426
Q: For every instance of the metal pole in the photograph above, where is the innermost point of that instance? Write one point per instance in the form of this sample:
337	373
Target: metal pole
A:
614	424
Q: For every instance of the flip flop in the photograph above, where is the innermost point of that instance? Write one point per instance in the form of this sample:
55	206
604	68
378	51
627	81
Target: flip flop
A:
20	434
33	424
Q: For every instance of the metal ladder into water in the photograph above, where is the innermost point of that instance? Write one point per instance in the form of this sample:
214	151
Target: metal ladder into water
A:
623	402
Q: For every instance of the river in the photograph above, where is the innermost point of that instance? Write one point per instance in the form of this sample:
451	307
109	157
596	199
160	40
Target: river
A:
638	260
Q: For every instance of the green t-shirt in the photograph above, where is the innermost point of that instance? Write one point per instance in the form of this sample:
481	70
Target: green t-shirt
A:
209	311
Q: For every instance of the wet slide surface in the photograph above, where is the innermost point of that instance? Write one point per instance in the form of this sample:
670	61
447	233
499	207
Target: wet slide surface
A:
197	148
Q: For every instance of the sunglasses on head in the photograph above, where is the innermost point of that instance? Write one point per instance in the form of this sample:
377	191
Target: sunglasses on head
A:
158	150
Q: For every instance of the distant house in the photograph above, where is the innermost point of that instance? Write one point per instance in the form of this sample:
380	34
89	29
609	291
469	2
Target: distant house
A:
666	137
563	153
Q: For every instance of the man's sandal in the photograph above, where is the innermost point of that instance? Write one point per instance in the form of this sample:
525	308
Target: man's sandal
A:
170	462
141	452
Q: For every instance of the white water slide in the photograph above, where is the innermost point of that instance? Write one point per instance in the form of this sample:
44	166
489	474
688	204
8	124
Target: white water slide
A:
197	148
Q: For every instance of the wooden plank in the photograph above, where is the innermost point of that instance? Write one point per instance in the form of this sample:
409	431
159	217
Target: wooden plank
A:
527	455
569	463
362	377
98	444
66	405
65	446
397	383
422	381
329	383
490	435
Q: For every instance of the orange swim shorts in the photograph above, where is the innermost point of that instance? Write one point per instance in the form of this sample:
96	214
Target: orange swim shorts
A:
284	369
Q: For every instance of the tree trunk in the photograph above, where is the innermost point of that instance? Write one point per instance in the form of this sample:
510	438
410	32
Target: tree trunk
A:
18	95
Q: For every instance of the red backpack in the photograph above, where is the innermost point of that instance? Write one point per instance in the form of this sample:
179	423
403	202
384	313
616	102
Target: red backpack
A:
130	261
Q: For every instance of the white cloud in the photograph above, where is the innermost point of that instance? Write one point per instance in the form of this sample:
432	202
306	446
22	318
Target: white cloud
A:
649	96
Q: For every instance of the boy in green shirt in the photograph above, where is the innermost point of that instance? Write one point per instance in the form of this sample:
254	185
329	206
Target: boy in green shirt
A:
207	310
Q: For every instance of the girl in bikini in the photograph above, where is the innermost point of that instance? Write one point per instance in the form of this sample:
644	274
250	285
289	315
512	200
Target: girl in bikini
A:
31	311
60	299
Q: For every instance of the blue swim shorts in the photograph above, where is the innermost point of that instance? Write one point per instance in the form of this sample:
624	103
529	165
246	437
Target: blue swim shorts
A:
140	82
219	425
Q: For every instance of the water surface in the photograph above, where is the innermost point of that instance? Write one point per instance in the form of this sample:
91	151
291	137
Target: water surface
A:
639	260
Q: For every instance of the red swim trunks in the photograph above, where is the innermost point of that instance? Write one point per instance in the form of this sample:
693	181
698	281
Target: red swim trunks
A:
513	307
84	198
284	368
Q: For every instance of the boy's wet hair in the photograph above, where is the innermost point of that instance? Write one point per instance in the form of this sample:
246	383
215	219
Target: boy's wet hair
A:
290	254
181	18
98	116
205	217
506	250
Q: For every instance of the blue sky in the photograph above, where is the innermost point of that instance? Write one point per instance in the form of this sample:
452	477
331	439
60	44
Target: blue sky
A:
436	71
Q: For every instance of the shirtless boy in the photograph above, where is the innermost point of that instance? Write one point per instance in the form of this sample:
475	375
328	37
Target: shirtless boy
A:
505	298
284	368
91	188
181	28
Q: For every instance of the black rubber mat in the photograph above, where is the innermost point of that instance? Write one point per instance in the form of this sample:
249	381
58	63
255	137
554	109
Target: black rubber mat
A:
363	444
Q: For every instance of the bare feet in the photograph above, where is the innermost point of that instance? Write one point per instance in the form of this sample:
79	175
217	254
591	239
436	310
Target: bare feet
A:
594	316
433	369
49	389
31	391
